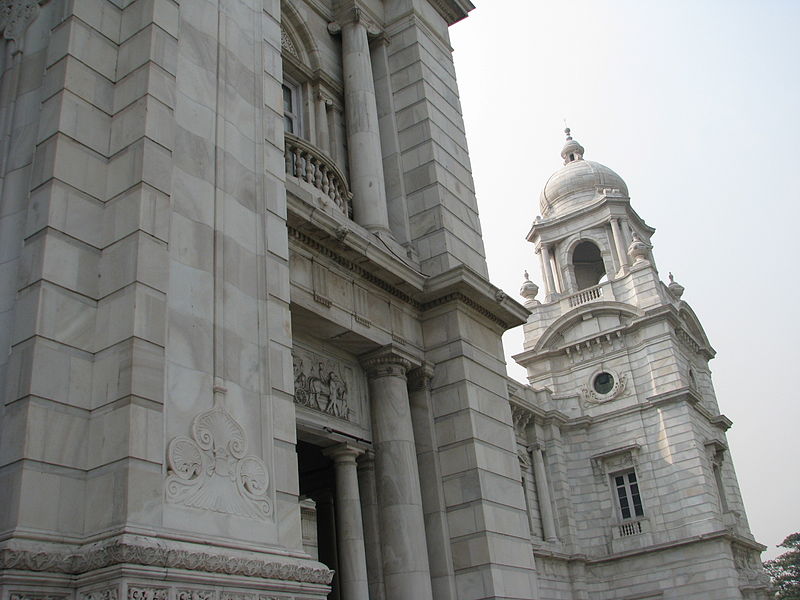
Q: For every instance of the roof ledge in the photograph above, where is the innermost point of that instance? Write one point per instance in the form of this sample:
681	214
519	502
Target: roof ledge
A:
452	11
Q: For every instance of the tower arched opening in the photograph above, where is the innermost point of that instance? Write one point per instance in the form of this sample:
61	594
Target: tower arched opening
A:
588	264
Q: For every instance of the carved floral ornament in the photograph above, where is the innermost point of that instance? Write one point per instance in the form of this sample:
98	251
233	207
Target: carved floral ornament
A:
16	16
116	553
212	471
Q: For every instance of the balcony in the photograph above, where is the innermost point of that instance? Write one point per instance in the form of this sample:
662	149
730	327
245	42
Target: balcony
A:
312	168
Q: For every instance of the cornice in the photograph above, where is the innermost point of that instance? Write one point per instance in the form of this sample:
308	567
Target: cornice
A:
452	11
464	285
543	226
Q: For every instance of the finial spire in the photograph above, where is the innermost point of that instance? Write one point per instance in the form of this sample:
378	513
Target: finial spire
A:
572	149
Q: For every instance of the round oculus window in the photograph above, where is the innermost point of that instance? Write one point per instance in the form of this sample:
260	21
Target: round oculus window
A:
603	383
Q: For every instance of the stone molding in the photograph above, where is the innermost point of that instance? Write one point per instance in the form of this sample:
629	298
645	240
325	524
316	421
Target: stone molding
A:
118	552
36	596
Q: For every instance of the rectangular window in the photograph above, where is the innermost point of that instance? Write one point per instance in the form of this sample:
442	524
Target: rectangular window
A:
628	498
291	115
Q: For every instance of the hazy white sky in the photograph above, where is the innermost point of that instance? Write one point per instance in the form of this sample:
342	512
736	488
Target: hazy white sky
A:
696	104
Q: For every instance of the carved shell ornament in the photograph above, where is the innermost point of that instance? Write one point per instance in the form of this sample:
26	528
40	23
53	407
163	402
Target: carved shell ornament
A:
212	471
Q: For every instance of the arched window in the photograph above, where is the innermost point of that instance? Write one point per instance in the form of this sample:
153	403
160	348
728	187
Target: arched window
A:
589	266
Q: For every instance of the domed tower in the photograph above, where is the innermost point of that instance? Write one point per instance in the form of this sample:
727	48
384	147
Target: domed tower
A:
630	467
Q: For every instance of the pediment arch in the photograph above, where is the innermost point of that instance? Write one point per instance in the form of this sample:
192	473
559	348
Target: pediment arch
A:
297	44
575	317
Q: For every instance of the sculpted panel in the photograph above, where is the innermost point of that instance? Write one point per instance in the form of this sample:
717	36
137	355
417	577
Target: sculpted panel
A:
211	470
325	384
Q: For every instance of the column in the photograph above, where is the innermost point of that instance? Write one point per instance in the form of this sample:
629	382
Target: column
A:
363	134
619	244
548	273
430	476
349	529
543	490
323	131
406	573
372	531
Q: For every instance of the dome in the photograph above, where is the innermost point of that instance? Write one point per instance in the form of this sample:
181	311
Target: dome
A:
577	182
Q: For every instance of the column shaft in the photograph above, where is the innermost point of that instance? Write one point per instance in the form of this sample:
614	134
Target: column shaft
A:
619	245
406	572
323	131
548	272
363	134
543	491
349	528
372	530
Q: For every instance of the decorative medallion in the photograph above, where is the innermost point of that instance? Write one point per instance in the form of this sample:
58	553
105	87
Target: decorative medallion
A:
213	472
603	386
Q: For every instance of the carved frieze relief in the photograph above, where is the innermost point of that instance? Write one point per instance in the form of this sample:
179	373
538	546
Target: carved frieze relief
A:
115	553
110	593
325	384
189	594
35	596
147	593
212	470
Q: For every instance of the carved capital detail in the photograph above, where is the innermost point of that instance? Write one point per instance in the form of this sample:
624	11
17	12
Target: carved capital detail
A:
16	16
420	378
388	365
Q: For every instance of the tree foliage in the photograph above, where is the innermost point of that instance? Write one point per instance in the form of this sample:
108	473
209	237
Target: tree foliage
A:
784	571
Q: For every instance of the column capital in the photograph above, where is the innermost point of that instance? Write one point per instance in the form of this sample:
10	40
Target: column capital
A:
344	452
420	378
356	15
389	361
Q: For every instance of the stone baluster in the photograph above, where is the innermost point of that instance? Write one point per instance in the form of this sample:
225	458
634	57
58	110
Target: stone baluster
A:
406	572
363	135
349	528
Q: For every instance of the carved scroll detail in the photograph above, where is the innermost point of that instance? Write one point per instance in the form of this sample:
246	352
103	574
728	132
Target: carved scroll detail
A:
212	471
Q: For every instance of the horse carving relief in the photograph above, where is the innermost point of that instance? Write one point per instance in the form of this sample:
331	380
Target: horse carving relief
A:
319	384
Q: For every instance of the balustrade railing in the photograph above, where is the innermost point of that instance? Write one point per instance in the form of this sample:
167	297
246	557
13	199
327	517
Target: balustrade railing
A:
313	167
584	296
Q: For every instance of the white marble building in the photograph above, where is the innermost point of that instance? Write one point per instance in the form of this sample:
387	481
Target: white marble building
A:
249	349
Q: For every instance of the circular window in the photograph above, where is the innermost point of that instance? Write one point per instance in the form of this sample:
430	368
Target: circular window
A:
603	383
